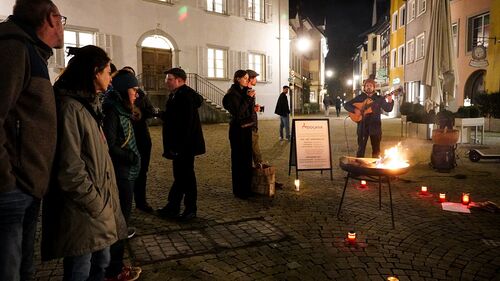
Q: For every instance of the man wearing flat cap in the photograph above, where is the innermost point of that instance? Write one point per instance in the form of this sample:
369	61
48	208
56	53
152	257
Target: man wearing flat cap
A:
369	106
182	141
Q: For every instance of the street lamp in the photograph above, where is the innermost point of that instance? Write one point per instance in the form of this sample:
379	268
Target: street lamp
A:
329	73
349	82
303	44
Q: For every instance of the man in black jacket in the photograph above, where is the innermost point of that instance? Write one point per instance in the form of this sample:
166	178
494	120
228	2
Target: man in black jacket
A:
27	128
283	110
369	105
182	141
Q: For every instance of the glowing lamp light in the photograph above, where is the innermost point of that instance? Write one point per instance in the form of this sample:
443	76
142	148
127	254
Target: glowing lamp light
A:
297	185
303	44
351	237
423	189
363	184
442	197
392	278
465	198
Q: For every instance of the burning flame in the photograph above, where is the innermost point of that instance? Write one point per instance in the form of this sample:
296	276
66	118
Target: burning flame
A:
393	158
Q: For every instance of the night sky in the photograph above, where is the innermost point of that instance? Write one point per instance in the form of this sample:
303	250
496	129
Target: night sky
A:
345	21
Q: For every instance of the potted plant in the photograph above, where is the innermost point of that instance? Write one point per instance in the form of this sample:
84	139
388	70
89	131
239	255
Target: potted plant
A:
489	105
421	122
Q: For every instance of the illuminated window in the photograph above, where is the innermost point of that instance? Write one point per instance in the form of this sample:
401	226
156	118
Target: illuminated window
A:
256	10
256	62
76	38
217	61
217	6
478	31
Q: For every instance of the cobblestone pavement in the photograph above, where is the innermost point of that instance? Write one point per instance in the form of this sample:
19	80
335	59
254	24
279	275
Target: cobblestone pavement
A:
297	236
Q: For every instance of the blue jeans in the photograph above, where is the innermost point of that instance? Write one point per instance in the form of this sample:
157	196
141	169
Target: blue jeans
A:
86	267
285	123
18	219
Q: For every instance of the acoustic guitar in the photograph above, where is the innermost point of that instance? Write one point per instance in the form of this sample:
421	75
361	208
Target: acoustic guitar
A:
365	107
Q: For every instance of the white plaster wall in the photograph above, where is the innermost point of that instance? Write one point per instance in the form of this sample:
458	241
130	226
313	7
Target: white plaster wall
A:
128	20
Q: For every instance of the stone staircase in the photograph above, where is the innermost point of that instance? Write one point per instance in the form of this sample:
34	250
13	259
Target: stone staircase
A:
212	111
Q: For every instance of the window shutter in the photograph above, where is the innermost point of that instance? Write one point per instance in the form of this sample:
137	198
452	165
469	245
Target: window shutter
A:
57	59
243	8
231	7
202	61
244	60
234	62
202	4
105	41
268	10
269	68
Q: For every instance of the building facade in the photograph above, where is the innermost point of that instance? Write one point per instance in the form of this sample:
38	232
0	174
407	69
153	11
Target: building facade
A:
397	42
208	38
492	73
418	18
470	28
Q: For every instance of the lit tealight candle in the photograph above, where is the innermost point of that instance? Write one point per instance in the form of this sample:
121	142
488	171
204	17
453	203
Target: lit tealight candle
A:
351	237
423	190
442	197
392	278
465	198
363	184
297	185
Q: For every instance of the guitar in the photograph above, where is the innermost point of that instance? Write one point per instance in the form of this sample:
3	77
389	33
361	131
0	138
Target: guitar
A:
365	107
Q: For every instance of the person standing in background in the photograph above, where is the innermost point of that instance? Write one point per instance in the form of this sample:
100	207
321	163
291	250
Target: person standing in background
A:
283	110
28	128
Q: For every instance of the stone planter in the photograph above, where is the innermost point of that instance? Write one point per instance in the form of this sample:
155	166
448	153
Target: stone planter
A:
420	130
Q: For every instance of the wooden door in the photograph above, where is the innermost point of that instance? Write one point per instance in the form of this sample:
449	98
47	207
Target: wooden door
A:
154	63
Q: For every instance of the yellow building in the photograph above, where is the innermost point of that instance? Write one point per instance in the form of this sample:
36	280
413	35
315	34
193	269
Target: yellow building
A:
492	80
397	45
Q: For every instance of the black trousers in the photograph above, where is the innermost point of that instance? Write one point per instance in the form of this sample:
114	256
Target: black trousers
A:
241	159
375	141
184	185
141	181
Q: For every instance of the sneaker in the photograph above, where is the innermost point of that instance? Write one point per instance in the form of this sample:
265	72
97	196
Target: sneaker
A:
130	232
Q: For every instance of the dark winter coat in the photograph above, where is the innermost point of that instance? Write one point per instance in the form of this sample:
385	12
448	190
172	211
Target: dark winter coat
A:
282	107
182	133
81	212
240	105
141	129
117	126
371	123
27	111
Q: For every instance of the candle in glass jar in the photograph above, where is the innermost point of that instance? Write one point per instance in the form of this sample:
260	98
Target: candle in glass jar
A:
423	189
465	198
351	236
297	185
442	197
363	184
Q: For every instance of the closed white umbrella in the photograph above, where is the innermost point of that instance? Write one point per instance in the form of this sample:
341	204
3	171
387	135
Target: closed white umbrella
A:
439	64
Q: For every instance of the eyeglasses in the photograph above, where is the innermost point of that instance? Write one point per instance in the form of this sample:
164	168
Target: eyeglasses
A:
63	18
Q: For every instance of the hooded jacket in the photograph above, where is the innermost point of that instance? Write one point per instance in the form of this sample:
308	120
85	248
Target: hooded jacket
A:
27	111
81	212
182	133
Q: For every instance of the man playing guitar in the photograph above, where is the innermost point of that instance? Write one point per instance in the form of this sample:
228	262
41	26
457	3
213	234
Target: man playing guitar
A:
367	107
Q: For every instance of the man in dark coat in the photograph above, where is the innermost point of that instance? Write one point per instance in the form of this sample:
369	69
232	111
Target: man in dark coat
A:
283	110
369	105
182	141
27	128
338	105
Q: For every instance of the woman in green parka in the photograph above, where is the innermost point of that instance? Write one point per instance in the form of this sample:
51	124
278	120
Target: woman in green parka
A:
81	212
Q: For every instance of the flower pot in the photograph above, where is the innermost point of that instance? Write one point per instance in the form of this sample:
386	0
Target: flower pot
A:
445	136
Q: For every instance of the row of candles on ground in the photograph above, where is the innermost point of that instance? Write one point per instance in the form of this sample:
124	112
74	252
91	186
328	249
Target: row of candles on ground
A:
424	191
442	196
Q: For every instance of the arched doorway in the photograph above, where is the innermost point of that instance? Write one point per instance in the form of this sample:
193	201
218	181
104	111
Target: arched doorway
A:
474	85
156	55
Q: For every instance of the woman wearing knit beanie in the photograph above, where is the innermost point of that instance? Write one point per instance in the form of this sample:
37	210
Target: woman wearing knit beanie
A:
117	109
